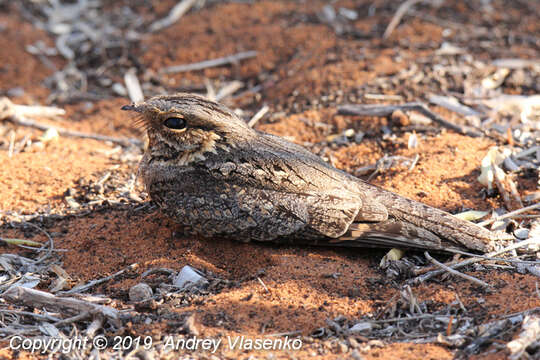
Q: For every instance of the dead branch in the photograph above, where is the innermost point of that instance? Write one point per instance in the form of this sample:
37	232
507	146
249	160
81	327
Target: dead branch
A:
17	115
489	256
258	116
41	299
529	335
210	63
71	133
174	15
133	85
452	105
387	110
84	287
501	188
35	110
455	272
510	214
228	90
401	11
515	63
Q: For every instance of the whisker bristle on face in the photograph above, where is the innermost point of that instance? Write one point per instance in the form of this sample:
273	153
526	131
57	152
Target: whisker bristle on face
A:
140	122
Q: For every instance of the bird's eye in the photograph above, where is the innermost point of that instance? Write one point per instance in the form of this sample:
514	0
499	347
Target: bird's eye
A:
175	123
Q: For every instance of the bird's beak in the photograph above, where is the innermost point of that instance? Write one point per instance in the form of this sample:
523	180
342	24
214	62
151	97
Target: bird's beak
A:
134	107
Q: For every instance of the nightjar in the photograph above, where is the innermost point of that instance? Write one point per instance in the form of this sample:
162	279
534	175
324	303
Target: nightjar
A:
218	177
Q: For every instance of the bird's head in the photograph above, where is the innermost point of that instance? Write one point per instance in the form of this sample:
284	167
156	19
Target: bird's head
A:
186	126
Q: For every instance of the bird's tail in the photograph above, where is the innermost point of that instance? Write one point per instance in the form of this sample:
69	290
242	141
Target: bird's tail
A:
411	224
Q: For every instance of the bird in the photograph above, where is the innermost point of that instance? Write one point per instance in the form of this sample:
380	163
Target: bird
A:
217	177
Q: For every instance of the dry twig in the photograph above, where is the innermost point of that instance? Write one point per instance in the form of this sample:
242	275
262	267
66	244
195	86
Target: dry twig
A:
501	188
529	335
64	132
133	85
210	63
455	272
258	116
429	275
41	299
174	15
511	214
452	105
84	287
401	11
17	115
229	89
387	110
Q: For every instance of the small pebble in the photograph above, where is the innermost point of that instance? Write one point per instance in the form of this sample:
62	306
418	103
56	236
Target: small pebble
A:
356	355
188	275
353	343
119	89
50	135
412	143
349	133
140	292
521	233
360	327
401	118
15	92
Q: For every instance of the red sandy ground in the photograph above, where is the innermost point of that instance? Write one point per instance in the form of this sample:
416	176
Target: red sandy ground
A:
301	294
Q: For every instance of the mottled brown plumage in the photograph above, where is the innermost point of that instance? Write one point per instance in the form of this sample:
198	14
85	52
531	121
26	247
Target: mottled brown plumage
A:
219	178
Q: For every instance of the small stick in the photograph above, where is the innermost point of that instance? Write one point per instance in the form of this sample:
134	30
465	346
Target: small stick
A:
45	111
210	91
17	115
51	242
401	11
530	334
449	327
7	109
500	186
133	86
514	191
263	284
492	258
21	242
527	152
383	97
455	272
288	333
456	107
409	318
11	143
31	314
210	63
458	299
510	214
387	110
72	319
415	161
64	132
431	274
174	15
84	287
258	116
41	299
94	326
515	63
229	89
